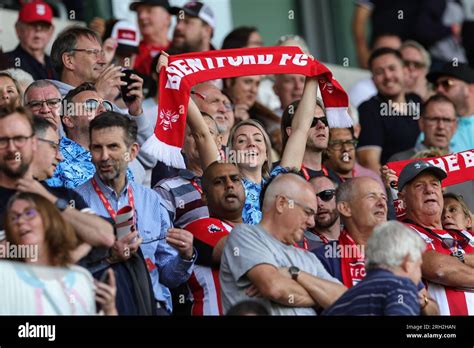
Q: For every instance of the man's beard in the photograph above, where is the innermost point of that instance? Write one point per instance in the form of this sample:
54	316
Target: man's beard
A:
187	47
18	172
333	216
110	176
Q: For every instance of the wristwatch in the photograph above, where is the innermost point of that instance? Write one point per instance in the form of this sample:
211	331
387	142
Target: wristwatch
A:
61	204
294	272
459	254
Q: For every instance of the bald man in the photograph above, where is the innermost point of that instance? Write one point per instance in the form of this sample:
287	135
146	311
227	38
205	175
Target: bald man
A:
262	259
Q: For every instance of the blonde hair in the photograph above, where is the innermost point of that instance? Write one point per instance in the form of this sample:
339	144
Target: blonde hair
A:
267	165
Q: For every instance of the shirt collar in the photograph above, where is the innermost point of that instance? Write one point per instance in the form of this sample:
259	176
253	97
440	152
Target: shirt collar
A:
107	189
69	142
187	174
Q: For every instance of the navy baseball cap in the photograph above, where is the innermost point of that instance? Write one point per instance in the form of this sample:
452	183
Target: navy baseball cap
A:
413	169
460	71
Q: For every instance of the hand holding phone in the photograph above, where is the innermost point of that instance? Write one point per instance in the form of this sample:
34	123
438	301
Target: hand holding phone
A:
124	89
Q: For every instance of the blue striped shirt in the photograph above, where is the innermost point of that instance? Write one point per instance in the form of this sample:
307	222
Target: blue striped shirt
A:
152	222
380	293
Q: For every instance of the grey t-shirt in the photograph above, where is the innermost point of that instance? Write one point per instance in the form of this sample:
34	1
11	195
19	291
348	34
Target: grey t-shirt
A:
249	246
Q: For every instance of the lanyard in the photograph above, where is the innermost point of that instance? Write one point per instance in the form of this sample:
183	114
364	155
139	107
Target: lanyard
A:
106	203
306	174
196	186
344	179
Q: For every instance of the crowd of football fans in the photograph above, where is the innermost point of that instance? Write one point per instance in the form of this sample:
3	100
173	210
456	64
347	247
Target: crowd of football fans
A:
306	220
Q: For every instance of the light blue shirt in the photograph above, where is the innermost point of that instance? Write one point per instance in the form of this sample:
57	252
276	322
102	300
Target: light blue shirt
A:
77	166
152	222
463	139
252	212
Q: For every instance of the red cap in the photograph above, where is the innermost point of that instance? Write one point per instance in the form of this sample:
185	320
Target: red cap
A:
36	12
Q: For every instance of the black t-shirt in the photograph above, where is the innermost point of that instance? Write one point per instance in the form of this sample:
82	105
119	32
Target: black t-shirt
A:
25	61
381	126
315	173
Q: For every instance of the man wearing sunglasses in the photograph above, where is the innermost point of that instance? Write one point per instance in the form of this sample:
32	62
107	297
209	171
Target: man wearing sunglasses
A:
78	56
327	225
448	263
317	141
261	260
457	83
362	205
20	148
80	106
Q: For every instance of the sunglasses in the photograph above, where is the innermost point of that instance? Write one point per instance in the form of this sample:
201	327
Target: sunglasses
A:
446	84
93	104
323	119
414	64
449	243
326	195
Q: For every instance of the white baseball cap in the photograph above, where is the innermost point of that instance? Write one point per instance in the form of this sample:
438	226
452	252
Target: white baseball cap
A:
126	34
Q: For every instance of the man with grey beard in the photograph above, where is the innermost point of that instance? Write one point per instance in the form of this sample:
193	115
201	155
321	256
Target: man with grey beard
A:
327	223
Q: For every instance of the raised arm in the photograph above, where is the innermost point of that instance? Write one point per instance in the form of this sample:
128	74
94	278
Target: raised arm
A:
206	145
294	151
207	148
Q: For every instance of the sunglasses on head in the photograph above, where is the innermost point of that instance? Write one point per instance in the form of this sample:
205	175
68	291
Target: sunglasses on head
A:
326	195
323	119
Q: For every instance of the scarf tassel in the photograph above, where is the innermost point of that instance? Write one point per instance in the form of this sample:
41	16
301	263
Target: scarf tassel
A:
338	117
168	154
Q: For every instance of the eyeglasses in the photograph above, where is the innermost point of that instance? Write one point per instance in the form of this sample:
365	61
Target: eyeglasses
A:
309	212
446	84
326	195
28	214
435	120
54	145
339	144
18	141
50	103
323	119
148	241
93	51
414	64
93	104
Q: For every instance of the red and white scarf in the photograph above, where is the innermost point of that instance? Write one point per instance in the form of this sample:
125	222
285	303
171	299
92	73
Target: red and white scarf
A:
352	260
186	70
459	167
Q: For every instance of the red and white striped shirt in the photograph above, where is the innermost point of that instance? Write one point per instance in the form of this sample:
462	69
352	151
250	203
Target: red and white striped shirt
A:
451	301
204	281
